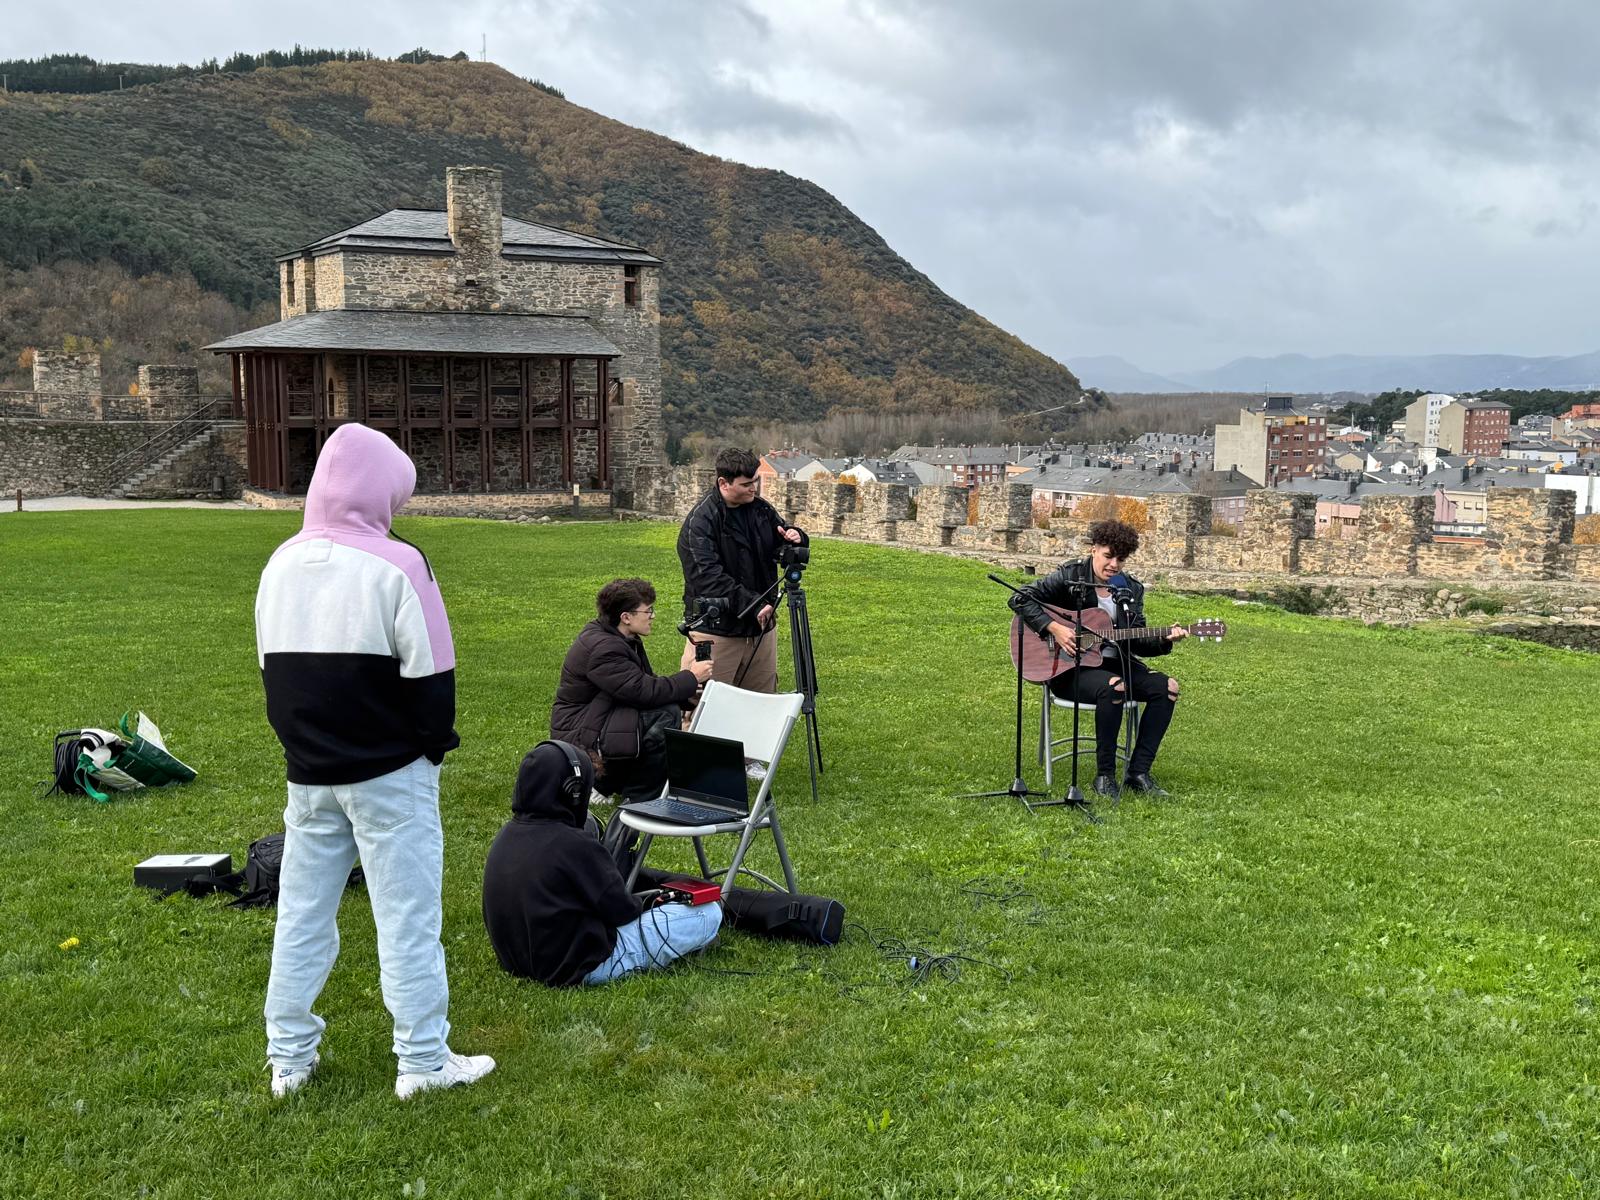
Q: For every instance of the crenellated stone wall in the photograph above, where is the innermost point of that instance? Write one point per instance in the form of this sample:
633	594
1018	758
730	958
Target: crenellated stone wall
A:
1530	530
169	392
67	385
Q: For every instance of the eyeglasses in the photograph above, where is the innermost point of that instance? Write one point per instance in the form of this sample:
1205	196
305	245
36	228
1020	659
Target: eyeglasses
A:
643	612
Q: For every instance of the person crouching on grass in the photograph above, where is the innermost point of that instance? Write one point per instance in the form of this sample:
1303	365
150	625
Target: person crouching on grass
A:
611	704
556	907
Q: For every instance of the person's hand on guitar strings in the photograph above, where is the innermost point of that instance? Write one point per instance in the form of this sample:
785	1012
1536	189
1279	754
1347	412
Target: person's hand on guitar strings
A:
1064	636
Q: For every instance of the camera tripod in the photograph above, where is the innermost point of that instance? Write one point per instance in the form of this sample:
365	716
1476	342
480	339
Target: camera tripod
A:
793	594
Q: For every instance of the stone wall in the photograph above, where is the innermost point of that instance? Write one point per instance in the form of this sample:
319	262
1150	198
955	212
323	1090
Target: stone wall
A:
53	458
502	506
211	466
169	392
67	385
1530	530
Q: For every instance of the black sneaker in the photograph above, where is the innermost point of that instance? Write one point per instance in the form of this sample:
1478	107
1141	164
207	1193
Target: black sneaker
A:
1144	782
1106	785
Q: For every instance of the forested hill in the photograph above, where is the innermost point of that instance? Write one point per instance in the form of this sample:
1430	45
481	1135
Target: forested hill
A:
777	300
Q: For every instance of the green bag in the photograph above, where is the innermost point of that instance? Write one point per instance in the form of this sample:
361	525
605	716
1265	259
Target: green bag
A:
146	757
139	758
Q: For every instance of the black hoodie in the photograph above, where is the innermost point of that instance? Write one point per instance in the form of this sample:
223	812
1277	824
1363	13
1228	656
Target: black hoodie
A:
552	897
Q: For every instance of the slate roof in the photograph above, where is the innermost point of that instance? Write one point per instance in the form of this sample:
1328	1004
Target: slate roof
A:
957	456
393	332
888	471
788	464
427	231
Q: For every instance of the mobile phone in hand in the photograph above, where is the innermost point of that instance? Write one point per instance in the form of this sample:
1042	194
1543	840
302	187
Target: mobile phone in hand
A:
702	651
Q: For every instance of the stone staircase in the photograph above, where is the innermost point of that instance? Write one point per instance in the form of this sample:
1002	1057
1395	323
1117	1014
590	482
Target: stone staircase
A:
187	470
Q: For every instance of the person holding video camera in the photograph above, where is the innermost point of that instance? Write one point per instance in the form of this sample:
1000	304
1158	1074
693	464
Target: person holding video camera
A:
609	702
729	547
555	905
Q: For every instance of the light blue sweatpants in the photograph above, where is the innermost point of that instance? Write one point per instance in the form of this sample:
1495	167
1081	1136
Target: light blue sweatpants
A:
392	822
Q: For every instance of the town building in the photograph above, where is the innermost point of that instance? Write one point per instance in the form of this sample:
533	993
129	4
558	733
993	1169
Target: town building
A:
784	464
1273	443
1422	417
501	355
969	466
1474	427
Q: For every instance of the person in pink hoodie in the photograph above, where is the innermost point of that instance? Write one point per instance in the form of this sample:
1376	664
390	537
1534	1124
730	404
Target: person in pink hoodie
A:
359	668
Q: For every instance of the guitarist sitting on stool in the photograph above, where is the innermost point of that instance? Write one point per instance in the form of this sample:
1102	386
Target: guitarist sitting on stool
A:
1080	585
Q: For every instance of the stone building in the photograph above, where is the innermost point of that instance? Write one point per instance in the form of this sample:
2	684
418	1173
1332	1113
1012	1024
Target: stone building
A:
500	354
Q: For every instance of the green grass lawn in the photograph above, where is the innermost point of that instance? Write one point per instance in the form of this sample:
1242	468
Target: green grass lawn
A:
1350	957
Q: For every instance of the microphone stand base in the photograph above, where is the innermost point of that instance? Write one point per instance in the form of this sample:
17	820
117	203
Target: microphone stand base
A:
1018	790
1074	799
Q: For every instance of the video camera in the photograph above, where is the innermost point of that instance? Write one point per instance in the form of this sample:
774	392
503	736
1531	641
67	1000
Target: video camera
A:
793	559
708	610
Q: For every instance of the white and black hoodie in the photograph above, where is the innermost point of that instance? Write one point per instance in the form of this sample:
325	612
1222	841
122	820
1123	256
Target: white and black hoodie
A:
351	632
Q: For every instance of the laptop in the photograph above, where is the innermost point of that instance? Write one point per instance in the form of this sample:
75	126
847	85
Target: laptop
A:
706	782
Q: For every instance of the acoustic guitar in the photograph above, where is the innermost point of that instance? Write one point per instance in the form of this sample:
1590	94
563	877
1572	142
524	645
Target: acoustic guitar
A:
1043	660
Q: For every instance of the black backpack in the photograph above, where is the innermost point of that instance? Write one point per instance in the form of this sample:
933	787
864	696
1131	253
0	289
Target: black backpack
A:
257	885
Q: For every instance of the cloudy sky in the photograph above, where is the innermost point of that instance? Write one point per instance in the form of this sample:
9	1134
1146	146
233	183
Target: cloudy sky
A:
1179	182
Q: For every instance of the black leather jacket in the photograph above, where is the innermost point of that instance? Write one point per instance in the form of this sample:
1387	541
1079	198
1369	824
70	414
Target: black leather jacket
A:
731	560
1072	586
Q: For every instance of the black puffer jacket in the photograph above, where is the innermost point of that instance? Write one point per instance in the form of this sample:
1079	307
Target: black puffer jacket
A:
605	681
553	899
731	555
1071	585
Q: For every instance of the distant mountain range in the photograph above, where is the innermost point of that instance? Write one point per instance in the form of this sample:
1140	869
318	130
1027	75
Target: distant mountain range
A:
1301	373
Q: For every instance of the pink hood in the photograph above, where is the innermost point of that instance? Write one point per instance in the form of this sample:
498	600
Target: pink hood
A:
362	479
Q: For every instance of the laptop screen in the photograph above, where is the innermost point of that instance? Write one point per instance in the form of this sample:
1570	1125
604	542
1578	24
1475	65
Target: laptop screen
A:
707	768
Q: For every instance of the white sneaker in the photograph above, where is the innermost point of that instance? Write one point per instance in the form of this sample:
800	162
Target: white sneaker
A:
458	1069
598	797
290	1079
756	770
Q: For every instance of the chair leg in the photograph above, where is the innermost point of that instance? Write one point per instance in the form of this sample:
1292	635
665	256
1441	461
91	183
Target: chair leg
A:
700	853
783	851
738	855
638	857
1047	750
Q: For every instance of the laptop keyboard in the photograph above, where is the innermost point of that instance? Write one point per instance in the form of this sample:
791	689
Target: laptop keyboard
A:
698	814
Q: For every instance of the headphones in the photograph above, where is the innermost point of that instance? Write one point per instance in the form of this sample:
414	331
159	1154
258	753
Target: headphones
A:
572	786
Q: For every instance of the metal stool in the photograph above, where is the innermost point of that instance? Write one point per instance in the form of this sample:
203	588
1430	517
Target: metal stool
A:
1085	745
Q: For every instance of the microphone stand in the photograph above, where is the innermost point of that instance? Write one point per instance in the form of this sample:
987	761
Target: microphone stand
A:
1019	789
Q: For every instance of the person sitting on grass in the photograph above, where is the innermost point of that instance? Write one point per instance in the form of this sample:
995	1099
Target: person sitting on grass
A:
611	704
556	907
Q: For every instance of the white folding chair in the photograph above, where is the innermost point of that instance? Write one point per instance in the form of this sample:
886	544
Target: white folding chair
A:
762	723
1085	744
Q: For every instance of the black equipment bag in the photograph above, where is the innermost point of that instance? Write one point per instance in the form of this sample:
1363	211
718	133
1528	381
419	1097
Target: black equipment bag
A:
814	919
257	885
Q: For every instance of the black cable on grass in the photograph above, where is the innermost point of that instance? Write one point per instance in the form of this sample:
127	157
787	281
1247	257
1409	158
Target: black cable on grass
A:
1006	894
1001	891
921	963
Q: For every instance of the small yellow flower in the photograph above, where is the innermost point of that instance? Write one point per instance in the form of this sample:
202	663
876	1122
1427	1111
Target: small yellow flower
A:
70	944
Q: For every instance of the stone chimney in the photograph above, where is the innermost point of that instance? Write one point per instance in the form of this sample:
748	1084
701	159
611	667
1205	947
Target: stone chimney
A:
473	215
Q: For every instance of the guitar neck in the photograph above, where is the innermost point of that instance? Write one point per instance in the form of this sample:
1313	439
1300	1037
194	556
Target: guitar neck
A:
1130	635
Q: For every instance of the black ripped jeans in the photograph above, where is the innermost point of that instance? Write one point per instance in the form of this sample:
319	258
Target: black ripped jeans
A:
1092	685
